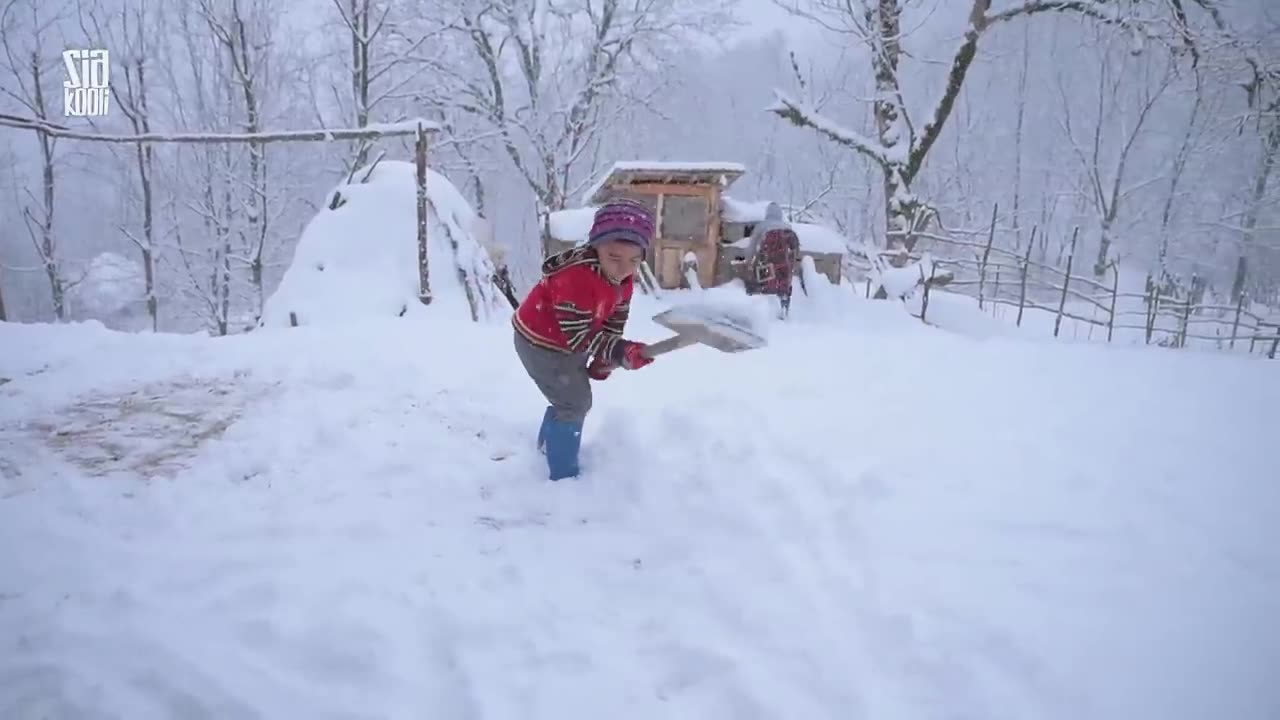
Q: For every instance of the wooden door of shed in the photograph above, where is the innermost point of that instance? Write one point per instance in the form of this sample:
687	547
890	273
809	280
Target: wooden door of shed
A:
686	223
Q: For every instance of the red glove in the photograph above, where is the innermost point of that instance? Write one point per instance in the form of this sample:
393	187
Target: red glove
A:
633	358
598	369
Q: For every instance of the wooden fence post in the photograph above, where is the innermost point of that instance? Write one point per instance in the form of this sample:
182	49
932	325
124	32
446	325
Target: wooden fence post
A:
924	306
1026	260
986	253
1235	325
1153	307
1186	315
1066	280
424	275
1115	293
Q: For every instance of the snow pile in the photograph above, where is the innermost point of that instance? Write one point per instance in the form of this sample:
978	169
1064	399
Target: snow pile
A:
113	289
360	260
742	211
869	517
813	237
573	225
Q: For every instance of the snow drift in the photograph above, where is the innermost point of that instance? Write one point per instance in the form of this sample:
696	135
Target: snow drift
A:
359	260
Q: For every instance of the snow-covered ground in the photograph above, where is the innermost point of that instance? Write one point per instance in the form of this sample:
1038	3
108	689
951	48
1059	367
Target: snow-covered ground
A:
870	518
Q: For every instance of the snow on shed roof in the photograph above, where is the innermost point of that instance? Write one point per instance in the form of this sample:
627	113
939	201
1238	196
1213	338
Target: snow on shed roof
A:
632	171
574	225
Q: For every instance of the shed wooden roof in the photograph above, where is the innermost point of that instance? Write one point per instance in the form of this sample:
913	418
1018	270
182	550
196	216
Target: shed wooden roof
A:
683	173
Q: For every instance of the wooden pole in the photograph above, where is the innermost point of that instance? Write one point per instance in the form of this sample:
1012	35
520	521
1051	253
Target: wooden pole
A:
1153	306
1186	315
1235	325
1066	280
424	275
1115	293
924	306
986	253
369	132
3	317
1026	261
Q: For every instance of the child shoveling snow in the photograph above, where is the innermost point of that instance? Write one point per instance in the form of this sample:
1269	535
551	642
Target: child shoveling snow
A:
568	330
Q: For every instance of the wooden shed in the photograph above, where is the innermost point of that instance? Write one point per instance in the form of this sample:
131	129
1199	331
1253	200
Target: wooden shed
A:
695	219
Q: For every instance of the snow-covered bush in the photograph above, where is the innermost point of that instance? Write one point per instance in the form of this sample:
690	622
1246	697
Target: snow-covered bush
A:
111	291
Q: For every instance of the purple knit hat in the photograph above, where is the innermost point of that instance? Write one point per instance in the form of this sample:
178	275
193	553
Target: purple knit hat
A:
625	220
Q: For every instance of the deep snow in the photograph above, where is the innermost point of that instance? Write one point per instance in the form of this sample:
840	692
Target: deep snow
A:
870	518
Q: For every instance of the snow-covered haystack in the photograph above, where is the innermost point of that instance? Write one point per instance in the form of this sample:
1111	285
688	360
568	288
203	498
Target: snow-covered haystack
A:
358	258
112	291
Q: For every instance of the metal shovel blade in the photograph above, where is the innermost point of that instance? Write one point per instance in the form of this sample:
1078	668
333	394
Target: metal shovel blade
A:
719	328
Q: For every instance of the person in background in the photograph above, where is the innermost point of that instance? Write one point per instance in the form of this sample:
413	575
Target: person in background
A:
772	252
568	330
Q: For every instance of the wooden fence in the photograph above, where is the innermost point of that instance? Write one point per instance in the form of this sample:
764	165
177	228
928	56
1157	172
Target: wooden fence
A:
1001	278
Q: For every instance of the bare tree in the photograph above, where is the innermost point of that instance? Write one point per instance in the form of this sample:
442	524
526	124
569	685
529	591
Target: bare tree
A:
393	55
900	146
206	262
31	66
1105	188
1268	122
1018	131
574	65
129	32
247	52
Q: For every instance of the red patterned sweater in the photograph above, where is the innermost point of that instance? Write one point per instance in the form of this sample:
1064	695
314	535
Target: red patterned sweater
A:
576	308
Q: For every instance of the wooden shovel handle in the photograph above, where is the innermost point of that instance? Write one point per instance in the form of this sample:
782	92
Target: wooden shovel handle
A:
675	342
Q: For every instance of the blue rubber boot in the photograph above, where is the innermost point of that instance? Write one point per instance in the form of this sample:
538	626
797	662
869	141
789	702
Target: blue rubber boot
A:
542	430
564	439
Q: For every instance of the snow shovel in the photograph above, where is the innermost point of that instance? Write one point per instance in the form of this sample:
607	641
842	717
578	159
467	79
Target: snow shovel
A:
719	328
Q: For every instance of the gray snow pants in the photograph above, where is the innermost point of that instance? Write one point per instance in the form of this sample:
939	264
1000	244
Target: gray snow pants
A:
561	377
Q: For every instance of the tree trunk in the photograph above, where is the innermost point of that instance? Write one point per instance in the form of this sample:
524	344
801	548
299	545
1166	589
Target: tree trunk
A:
360	73
899	204
1104	247
1265	164
48	246
1017	136
1179	164
223	272
148	257
141	123
255	239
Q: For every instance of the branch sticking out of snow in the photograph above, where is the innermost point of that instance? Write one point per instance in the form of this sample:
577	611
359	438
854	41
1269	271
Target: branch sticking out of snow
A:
805	115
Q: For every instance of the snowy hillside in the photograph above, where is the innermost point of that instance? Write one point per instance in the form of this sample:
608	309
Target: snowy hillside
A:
870	518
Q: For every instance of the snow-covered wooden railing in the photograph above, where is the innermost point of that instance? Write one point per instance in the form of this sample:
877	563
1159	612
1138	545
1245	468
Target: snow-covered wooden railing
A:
417	127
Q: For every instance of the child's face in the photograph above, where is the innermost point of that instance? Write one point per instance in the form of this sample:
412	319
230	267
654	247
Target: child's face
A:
619	259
